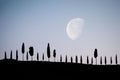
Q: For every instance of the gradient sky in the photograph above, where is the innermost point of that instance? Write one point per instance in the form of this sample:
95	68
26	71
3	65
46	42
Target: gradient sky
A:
37	22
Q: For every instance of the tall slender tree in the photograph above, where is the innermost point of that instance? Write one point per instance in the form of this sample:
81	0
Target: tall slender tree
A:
76	59
92	60
60	58
105	60
81	59
27	56
23	50
43	57
101	60
71	59
95	55
66	59
5	55
54	54
37	56
116	61
87	60
11	55
48	52
110	60
16	54
31	52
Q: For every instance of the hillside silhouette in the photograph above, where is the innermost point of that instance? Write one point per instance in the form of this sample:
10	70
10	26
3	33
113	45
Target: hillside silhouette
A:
25	67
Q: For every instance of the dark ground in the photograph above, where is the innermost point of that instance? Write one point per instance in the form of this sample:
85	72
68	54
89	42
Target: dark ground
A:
33	69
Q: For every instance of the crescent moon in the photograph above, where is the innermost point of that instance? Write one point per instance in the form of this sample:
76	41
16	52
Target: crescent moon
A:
74	28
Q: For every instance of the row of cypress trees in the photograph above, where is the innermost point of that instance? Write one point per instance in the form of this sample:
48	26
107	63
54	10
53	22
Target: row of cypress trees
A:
31	53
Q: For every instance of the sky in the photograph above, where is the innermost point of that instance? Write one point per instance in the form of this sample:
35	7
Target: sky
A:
37	22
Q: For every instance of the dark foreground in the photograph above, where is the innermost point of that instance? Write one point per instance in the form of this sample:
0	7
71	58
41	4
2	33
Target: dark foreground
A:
38	69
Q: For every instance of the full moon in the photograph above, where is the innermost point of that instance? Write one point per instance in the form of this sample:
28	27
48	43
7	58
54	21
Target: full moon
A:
74	28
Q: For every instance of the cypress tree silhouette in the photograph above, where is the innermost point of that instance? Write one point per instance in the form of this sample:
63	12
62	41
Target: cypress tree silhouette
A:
71	60
43	57
5	55
95	55
48	52
31	52
92	60
54	54
23	50
37	56
27	56
66	59
101	60
76	59
87	60
60	58
16	54
11	55
81	59
110	60
116	59
105	60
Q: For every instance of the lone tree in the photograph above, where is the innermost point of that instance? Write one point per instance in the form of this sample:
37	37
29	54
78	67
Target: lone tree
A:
31	52
76	59
48	52
92	60
101	60
27	56
5	55
110	60
66	59
23	50
71	60
54	54
116	59
105	60
87	60
37	56
60	58
95	55
81	59
11	55
43	57
16	54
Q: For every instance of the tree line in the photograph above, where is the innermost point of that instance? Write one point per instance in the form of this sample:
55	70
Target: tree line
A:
31	53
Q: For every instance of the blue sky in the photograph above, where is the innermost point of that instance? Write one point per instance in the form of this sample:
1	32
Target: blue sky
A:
37	22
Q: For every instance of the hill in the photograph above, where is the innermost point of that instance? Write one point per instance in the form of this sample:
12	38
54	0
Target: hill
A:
42	68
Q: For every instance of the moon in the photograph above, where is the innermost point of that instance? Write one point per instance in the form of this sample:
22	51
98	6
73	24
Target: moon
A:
74	28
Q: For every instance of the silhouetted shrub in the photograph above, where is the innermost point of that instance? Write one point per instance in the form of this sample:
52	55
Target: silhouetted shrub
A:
31	52
23	50
48	52
54	54
95	55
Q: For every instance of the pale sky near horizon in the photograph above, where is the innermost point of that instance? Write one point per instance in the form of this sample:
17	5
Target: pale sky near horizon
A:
37	22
